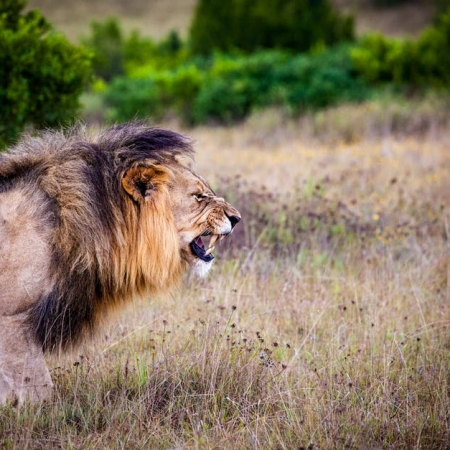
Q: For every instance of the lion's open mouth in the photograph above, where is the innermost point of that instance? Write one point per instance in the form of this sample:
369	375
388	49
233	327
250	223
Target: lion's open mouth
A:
202	251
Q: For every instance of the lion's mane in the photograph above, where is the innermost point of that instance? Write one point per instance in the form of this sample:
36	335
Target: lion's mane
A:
105	246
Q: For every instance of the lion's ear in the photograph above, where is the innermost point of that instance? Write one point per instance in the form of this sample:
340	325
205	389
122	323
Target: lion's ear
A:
143	182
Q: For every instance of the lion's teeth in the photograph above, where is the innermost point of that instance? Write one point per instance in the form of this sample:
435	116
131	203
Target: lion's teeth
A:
210	250
213	240
212	243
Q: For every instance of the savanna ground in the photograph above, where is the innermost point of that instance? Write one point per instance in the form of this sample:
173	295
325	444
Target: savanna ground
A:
325	322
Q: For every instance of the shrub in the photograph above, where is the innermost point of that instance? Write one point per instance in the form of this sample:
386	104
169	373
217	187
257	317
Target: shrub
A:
116	54
142	54
154	95
137	50
132	99
228	89
442	7
421	63
107	45
433	54
321	80
41	73
250	25
220	100
234	86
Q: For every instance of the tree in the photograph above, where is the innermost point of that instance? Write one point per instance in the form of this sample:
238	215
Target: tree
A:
211	26
107	45
249	25
41	73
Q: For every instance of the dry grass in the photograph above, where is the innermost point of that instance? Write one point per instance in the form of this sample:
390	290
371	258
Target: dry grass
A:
325	323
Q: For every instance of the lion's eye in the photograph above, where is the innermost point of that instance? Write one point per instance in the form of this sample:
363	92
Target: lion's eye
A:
199	196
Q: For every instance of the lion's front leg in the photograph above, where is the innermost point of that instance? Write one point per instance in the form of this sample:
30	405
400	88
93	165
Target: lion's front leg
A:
23	372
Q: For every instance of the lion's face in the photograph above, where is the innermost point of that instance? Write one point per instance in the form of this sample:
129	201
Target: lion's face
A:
202	219
198	218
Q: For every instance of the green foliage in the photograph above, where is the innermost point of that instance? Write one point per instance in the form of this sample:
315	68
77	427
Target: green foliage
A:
143	56
41	73
442	7
229	88
154	95
171	44
421	63
166	78
178	88
376	58
107	44
137	50
116	54
235	86
250	25
131	99
321	80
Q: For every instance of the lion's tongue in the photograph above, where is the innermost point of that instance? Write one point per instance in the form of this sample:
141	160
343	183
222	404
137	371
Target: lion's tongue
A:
200	243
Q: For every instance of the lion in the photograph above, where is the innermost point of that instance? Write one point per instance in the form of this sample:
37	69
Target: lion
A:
87	223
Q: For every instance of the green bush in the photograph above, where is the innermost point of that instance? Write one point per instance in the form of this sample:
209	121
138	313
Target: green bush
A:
321	80
137	51
433	54
375	58
235	86
106	42
179	88
116	54
250	25
442	7
130	98
229	88
41	73
142	54
421	63
222	101
300	82
154	95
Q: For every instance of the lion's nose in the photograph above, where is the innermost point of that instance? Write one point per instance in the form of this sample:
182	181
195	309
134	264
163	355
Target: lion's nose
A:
233	220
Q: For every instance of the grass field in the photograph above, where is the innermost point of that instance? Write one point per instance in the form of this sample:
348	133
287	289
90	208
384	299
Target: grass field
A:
325	322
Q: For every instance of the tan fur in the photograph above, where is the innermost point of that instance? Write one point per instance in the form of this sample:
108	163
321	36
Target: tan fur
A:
86	224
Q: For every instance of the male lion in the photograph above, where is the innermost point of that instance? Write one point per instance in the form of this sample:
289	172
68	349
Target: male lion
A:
86	224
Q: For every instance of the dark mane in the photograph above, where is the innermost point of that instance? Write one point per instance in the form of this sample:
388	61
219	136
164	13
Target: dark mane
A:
133	142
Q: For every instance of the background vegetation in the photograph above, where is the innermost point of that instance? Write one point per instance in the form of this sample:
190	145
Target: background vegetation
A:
300	55
297	25
225	71
42	75
325	322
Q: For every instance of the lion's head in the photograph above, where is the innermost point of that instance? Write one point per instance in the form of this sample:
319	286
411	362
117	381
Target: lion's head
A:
201	217
178	208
